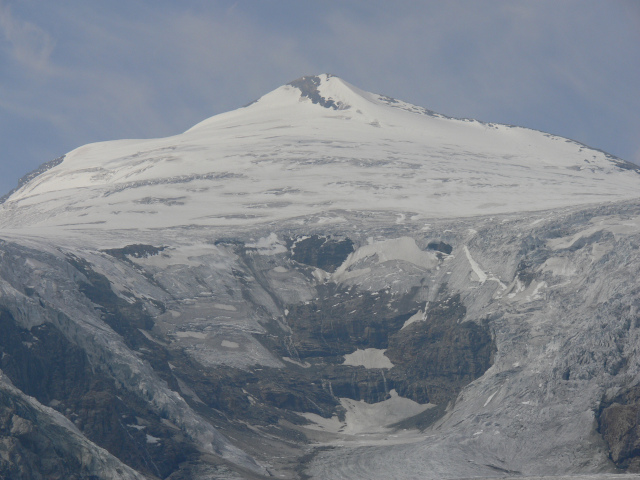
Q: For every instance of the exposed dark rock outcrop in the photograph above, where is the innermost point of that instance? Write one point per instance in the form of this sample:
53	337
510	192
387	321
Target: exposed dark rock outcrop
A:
136	251
440	247
308	86
322	252
33	174
619	425
433	359
438	356
34	447
45	365
338	322
126	318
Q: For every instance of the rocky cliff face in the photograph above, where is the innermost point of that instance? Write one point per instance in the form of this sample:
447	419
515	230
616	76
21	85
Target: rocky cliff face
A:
526	327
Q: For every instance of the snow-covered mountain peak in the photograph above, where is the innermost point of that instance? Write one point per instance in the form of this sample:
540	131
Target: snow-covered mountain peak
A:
329	254
308	96
317	146
328	91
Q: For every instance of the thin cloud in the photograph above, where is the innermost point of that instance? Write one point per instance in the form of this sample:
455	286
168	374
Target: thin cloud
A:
27	43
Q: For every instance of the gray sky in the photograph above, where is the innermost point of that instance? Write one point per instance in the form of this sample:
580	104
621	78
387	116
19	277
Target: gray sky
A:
81	71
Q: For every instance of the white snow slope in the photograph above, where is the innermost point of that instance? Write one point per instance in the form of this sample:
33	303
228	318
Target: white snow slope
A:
315	146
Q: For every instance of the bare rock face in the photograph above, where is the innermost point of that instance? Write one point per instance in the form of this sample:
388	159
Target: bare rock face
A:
321	252
618	424
45	365
477	336
439	355
36	443
26	452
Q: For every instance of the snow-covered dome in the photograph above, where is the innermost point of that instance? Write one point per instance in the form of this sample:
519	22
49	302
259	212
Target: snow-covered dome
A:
313	146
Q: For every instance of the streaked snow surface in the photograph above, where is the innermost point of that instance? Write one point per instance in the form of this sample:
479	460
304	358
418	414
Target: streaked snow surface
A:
284	157
368	420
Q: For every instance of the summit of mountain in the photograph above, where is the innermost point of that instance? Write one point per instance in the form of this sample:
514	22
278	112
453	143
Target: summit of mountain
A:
314	146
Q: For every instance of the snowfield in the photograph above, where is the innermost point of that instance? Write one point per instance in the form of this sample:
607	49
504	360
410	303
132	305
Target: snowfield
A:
286	157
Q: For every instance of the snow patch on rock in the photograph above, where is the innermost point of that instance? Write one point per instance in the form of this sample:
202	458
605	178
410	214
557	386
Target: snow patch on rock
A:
268	245
365	418
403	249
420	316
368	358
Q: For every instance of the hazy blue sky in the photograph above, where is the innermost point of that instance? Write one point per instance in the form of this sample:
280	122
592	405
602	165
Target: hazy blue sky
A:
80	71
